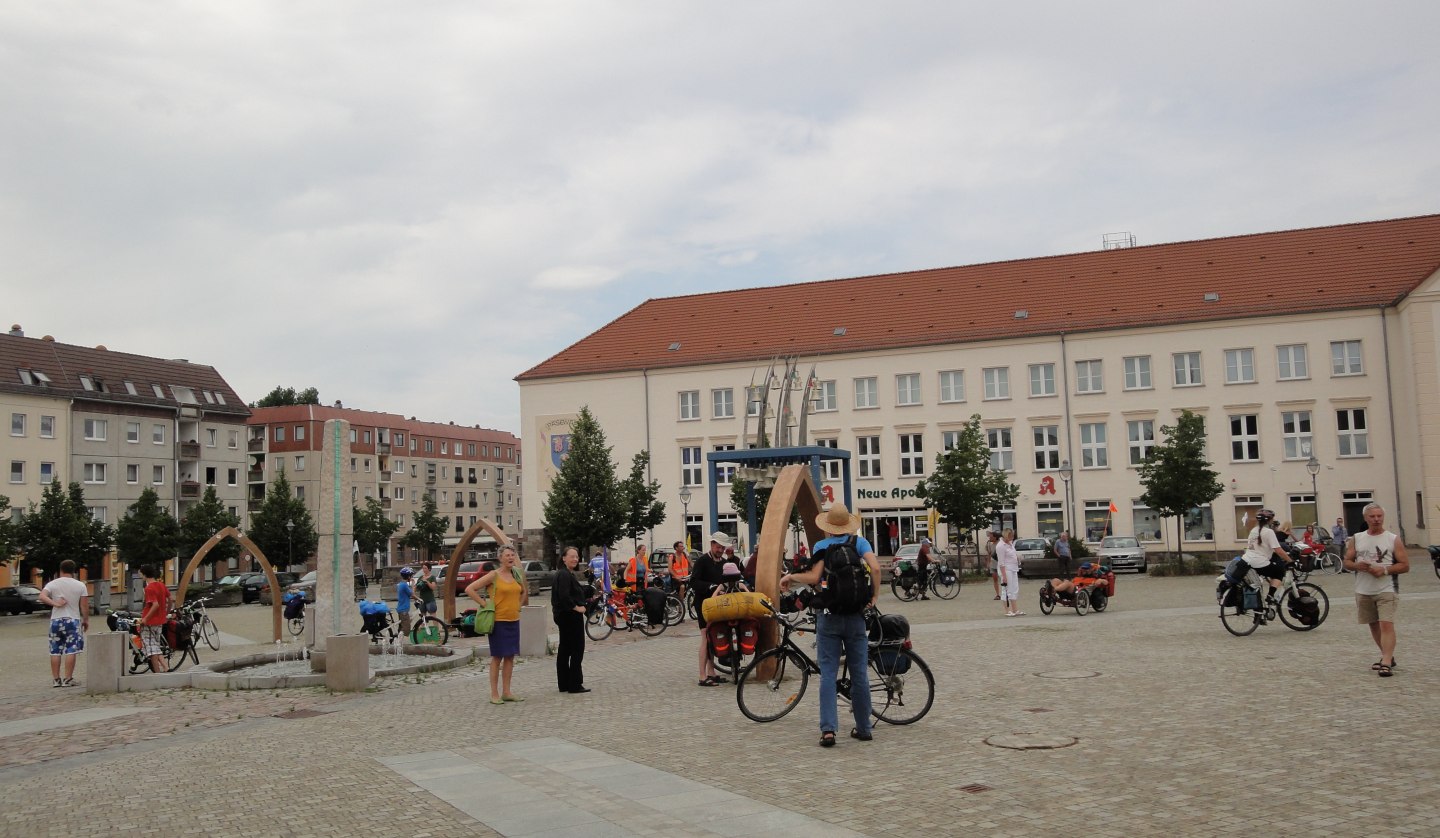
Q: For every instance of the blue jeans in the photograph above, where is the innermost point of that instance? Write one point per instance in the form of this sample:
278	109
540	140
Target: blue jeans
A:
834	633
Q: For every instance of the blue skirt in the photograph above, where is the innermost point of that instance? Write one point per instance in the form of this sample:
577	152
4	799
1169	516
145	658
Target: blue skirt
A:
505	639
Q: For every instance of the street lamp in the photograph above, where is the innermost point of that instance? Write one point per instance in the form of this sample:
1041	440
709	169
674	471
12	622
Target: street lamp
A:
1067	472
685	524
1312	465
290	539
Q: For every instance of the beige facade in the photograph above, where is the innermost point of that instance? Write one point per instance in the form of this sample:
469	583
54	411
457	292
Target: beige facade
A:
36	447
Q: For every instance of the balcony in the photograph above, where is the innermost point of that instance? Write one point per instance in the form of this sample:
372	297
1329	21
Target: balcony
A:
382	448
189	450
384	475
458	477
255	445
254	504
189	489
385	503
459	504
255	475
429	480
473	504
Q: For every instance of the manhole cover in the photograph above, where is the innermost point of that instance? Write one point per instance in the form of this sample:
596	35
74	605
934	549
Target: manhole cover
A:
302	714
1068	673
1030	741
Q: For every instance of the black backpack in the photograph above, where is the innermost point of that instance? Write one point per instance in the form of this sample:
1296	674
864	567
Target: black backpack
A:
846	586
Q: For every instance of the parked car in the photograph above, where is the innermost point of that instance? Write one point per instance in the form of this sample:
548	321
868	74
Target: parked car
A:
1122	551
466	573
232	579
537	575
305	586
31	593
12	602
660	559
1035	561
253	583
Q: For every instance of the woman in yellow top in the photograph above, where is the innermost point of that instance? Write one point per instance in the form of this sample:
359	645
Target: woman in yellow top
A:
506	586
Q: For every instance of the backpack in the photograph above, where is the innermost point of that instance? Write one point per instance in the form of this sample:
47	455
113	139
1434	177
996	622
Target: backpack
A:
846	586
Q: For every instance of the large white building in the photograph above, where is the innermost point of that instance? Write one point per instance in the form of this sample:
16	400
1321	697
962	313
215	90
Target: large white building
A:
1308	342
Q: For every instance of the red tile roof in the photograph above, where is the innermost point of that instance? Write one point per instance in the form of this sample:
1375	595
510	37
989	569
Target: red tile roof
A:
1348	266
64	363
380	419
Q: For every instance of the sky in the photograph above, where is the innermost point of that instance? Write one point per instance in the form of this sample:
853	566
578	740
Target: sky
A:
405	205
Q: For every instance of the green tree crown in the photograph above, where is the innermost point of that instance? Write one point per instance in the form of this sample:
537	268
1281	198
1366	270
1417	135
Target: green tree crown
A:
963	486
427	528
202	521
584	506
268	526
642	511
61	527
1176	475
373	527
148	534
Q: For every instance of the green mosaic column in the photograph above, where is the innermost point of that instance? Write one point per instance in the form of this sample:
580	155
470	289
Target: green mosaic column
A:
335	611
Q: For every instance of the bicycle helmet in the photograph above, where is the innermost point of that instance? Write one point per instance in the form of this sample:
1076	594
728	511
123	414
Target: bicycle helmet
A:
1265	516
406	573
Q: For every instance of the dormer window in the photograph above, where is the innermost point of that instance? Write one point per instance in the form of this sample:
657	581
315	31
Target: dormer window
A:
130	388
159	393
87	382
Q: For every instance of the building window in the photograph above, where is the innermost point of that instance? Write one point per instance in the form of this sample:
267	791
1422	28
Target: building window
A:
912	455
157	475
826	397
868	449
232	477
1089	377
752	400
1295	430
724	472
444	446
1049	518
689	405
1137	372
829	468
211	437
1097	519
1345	358
952	386
469	451
1047	447
1239	366
279	433
98	513
17	471
1141	435
210	475
17	424
95	430
1200	524
156	389
1353	432
949	440
47	474
691	470
1093	450
132	431
352	436
1302	511
1042	380
157	434
1245	438
429	446
1002	449
300	463
997	383
132	473
94	472
365	438
87	382
1146	522
1187	369
47	427
1245	508
722	403
300	433
866	393
907	389
1292	362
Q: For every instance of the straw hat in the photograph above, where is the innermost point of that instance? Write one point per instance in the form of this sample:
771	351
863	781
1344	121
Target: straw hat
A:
838	521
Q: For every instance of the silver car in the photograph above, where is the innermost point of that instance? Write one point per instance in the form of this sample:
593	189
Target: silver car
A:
1033	562
1122	551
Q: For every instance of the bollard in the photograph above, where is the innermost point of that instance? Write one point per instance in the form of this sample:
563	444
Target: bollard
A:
104	655
534	630
347	662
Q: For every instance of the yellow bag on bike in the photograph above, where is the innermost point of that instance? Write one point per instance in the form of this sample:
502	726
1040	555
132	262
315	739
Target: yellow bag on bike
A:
737	606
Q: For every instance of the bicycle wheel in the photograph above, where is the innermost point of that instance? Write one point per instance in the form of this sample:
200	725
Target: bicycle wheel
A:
901	687
948	589
902	592
1304	588
297	626
674	611
691	606
641	621
599	624
1082	602
174	656
765	698
1331	563
430	631
1047	600
210	633
1237	622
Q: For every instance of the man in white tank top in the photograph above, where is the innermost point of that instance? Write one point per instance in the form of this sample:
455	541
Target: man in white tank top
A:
1377	557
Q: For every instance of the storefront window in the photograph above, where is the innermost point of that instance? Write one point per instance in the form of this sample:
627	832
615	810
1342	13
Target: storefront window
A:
1302	511
1245	508
1004	521
1200	524
1049	519
1147	522
1097	519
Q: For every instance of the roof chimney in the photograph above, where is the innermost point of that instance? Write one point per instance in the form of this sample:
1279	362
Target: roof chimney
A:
16	331
339	404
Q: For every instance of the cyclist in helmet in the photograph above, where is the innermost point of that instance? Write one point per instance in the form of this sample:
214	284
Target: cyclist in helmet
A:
403	592
1264	553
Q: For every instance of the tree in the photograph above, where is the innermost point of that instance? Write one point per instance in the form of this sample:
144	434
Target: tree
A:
1176	475
281	396
60	528
584	507
202	521
9	533
427	529
148	534
642	511
268	527
373	527
964	487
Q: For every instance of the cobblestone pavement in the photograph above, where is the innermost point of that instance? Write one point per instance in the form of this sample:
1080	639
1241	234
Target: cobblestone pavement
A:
1182	729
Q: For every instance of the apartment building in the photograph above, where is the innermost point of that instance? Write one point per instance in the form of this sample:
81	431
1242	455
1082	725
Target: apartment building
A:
117	423
472	472
1309	353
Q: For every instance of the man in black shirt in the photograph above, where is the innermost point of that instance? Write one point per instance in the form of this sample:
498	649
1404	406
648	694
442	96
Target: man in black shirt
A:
704	577
567	600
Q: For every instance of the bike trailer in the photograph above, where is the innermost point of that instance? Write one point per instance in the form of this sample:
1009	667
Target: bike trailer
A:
743	605
294	606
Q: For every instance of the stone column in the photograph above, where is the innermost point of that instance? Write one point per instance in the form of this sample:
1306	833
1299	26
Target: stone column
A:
104	660
334	610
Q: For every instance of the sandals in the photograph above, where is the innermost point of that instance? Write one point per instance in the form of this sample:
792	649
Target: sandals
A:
1385	671
827	739
863	737
712	681
1394	664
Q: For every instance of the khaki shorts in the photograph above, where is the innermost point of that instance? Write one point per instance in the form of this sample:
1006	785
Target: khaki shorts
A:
1377	608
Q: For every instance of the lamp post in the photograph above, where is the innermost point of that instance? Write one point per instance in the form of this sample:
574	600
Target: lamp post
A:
290	540
1312	465
685	524
1067	472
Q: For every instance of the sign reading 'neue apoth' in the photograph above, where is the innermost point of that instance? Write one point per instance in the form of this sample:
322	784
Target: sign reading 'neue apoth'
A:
895	492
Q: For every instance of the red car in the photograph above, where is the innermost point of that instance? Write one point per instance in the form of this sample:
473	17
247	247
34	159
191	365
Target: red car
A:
468	572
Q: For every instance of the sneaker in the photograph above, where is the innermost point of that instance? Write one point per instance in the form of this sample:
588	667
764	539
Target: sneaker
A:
58	683
69	682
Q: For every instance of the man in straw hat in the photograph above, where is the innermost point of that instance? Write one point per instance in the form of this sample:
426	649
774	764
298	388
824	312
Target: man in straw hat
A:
837	632
705	576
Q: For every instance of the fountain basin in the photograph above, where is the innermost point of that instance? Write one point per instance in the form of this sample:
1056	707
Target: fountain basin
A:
277	670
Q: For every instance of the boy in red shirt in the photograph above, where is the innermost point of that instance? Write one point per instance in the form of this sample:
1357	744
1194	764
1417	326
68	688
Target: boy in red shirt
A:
152	618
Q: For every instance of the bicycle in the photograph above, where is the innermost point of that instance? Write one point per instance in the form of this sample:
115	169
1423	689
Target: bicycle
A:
430	630
129	622
205	630
620	611
776	680
1245	607
940	578
294	603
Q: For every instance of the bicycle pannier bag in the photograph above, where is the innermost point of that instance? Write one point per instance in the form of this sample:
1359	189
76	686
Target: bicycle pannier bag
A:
742	605
846	588
654	599
720	639
890	662
749	632
1305	609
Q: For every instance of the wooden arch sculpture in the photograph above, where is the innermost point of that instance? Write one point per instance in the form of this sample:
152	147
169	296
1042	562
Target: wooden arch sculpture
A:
793	488
231	532
480	525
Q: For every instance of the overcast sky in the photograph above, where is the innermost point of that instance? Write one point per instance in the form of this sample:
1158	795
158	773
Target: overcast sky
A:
407	204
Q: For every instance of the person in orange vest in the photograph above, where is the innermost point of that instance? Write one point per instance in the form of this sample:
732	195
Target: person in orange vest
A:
636	569
680	571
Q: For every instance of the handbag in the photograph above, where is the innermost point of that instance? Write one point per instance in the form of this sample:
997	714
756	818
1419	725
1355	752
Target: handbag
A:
485	617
